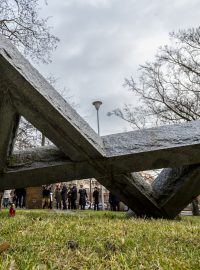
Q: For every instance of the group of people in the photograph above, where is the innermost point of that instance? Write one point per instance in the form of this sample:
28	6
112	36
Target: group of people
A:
66	197
16	196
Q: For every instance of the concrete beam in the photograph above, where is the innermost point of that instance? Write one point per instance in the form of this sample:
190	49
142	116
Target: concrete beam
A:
9	121
42	106
160	147
173	146
175	188
135	192
44	165
57	172
36	157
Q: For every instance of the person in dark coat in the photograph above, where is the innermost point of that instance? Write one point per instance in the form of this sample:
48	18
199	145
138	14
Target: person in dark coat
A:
58	197
19	195
69	196
64	196
50	196
114	202
73	197
46	197
83	197
96	198
1	196
24	197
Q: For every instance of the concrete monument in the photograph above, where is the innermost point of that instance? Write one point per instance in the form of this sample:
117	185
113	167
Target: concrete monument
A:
80	153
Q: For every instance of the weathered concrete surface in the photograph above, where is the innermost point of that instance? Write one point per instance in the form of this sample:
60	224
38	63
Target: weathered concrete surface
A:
136	193
161	147
163	155
9	121
41	105
44	165
135	161
175	188
36	157
58	171
163	137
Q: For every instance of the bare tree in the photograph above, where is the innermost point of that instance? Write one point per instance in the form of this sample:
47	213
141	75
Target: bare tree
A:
20	22
169	87
28	136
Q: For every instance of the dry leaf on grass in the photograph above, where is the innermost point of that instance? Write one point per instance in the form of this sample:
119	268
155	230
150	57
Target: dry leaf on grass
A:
4	246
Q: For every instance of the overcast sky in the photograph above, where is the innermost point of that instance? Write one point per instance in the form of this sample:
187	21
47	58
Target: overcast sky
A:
104	41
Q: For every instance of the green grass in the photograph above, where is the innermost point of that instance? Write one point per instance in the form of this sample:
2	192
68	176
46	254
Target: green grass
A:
38	240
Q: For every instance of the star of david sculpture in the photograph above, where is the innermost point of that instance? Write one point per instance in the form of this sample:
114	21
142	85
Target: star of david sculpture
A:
80	153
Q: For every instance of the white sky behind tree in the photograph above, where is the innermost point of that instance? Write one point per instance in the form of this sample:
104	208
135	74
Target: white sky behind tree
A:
104	41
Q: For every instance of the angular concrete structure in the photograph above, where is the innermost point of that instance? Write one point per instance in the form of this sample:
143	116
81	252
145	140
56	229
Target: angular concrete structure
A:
81	153
175	188
9	121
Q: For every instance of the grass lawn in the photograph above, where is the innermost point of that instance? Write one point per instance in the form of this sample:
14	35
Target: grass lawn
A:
106	240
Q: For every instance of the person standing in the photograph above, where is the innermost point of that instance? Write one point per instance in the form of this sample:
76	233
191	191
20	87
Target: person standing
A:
46	197
64	196
83	197
23	197
73	197
114	202
1	196
69	196
50	196
12	197
58	197
6	198
96	198
19	195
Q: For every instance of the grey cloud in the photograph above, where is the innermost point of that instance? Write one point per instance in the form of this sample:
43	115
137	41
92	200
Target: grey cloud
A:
104	41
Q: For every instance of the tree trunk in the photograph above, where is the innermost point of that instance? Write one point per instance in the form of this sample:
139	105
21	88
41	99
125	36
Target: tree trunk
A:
195	207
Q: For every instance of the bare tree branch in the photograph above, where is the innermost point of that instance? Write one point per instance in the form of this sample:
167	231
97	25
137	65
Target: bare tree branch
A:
20	22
